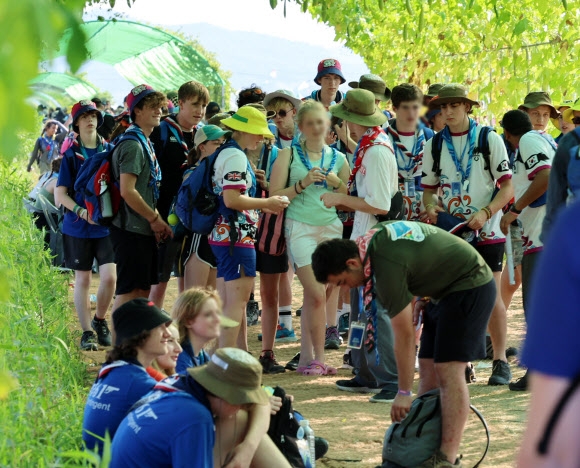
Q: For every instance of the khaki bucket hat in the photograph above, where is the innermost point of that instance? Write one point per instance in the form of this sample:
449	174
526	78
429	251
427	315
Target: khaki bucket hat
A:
359	107
537	99
452	93
373	83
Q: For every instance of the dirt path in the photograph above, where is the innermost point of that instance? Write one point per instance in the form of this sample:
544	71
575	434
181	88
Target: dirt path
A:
355	428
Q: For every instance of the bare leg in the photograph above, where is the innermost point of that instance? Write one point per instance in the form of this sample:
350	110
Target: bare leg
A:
235	297
454	406
269	290
427	376
498	323
108	279
332	293
285	288
312	318
180	284
196	273
81	298
508	290
157	294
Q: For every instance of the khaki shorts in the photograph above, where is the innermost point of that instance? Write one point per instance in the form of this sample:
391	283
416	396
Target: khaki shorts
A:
302	239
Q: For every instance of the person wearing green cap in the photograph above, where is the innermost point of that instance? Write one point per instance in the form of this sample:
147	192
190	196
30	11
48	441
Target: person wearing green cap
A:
539	107
468	180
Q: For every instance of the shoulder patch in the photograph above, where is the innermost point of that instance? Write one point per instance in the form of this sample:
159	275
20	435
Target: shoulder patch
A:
534	160
235	176
405	230
504	166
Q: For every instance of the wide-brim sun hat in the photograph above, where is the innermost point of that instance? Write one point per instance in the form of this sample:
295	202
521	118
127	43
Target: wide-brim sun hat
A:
453	92
539	98
209	133
375	84
82	107
359	107
284	94
270	114
329	67
232	375
568	114
248	119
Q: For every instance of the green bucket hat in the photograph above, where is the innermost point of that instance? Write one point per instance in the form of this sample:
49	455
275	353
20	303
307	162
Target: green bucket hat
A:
434	89
359	107
537	99
452	93
375	84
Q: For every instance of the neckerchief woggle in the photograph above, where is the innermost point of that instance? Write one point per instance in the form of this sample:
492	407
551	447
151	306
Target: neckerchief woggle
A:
308	165
408	159
446	134
154	169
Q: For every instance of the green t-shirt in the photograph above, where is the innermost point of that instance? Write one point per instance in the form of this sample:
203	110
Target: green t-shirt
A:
416	259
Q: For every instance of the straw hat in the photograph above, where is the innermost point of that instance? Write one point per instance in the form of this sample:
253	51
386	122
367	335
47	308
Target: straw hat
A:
374	84
452	93
359	107
249	120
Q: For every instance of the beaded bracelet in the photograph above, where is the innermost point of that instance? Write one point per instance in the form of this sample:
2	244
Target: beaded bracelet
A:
487	211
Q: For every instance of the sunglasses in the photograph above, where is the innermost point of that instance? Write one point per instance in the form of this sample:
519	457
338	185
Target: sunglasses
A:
252	92
576	120
283	113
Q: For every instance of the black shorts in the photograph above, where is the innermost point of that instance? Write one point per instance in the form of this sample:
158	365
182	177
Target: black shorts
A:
454	328
79	252
271	264
136	258
493	255
198	245
168	255
347	231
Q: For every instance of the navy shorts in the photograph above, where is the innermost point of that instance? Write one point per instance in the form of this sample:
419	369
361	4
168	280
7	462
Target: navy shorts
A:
230	267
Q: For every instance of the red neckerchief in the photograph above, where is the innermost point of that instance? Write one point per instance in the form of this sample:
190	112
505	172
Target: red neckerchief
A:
363	243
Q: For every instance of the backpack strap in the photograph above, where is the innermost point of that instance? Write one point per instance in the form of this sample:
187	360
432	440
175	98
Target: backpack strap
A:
436	153
484	422
483	148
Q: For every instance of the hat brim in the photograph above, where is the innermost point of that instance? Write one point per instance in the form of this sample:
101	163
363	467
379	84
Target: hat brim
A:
248	128
330	71
234	395
437	101
227	322
271	96
554	114
377	118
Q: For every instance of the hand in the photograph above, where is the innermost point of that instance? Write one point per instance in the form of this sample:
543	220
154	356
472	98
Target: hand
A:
477	220
331	200
342	132
418	310
332	180
240	457
275	404
276	204
161	229
401	407
331	138
314	175
506	220
261	178
28	169
424	217
432	213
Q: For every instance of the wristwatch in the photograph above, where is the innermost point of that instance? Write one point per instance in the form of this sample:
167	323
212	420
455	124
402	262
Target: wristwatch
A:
514	210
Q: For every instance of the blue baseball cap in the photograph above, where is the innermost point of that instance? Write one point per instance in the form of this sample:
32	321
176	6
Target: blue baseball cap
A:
457	227
328	67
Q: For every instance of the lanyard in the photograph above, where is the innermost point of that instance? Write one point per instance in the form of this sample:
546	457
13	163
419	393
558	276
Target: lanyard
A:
308	165
409	159
459	161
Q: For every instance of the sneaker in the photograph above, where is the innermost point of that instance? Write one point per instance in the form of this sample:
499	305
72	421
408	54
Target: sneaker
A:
332	340
252	312
344	323
101	328
292	365
470	374
269	363
283	335
439	460
520	385
511	352
299	311
89	341
384	396
354	387
320	447
347	361
501	373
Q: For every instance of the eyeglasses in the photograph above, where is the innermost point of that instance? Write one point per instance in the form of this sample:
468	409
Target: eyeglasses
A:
283	113
576	120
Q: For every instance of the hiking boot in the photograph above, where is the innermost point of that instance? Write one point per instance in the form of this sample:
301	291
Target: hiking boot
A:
252	309
269	363
520	385
470	374
89	341
320	447
101	328
332	340
501	373
353	386
439	460
283	335
344	323
384	396
292	365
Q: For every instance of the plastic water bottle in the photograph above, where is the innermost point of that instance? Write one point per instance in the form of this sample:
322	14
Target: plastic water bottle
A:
106	206
309	436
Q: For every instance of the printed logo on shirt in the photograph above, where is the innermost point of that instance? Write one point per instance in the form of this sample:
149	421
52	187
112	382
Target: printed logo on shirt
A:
402	230
503	166
172	139
145	411
534	160
99	390
235	176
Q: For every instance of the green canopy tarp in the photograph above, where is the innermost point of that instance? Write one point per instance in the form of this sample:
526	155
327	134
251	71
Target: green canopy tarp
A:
61	83
143	54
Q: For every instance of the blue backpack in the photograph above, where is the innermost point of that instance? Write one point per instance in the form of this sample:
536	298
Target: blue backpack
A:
197	206
97	185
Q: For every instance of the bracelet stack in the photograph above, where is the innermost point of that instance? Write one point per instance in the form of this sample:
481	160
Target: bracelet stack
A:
487	211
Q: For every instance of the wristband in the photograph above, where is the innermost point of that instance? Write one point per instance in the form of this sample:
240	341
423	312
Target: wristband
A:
487	211
295	189
154	219
514	210
301	186
339	184
77	209
405	392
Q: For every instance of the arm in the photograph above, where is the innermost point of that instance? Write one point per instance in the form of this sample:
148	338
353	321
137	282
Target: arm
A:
280	176
502	198
339	182
234	200
33	155
431	204
350	202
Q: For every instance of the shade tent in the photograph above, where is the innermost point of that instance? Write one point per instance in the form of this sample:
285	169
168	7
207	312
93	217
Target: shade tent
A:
143	54
61	83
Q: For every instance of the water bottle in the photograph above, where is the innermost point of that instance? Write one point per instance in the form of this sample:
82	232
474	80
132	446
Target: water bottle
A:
309	436
106	206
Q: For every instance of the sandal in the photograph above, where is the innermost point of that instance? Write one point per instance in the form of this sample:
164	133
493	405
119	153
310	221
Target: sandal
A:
301	369
318	368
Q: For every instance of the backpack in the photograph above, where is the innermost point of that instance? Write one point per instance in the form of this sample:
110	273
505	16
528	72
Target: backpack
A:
197	206
96	183
283	430
417	437
573	175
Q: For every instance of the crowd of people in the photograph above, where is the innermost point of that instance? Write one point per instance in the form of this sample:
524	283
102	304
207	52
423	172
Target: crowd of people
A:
302	185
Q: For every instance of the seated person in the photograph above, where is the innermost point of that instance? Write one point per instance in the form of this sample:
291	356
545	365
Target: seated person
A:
141	336
164	366
176	425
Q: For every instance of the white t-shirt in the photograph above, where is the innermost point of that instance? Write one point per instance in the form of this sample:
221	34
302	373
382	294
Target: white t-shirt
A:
533	155
377	183
481	185
232	171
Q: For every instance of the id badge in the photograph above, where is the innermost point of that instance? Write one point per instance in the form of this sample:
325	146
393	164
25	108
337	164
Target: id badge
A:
456	189
355	335
410	188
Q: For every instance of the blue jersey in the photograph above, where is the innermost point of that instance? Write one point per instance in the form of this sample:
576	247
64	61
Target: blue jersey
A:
552	345
119	386
169	428
187	358
73	159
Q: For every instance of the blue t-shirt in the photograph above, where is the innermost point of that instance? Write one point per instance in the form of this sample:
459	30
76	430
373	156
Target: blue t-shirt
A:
173	431
187	358
72	161
119	386
552	345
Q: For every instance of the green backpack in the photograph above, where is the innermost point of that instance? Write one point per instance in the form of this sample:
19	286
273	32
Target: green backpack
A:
417	437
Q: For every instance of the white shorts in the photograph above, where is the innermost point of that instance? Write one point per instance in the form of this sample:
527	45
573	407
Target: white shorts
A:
302	239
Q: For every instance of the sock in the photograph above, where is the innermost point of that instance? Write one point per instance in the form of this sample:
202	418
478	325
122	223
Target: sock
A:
285	318
345	307
98	319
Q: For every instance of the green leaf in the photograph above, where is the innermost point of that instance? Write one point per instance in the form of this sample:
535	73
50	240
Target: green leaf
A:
7	384
273	4
521	26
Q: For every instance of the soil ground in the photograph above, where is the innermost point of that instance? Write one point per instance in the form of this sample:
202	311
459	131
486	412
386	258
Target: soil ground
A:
354	427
